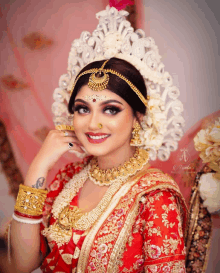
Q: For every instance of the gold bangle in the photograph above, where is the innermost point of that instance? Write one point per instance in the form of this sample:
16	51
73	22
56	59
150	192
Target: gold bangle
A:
30	200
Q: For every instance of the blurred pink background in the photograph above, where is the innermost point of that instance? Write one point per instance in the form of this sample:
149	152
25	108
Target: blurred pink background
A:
186	31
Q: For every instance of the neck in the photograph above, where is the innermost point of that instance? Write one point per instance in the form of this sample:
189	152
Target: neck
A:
115	158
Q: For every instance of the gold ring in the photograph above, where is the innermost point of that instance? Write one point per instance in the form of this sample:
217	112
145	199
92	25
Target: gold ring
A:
64	127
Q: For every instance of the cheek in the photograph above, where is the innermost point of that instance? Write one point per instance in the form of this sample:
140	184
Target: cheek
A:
123	124
78	124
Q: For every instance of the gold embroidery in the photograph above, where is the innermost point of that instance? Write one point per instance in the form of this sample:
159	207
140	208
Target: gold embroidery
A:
106	238
55	233
76	253
76	238
119	246
49	260
121	200
169	245
174	267
165	215
152	231
67	258
87	244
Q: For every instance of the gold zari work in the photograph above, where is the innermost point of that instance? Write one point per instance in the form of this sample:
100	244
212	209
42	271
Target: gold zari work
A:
30	200
72	217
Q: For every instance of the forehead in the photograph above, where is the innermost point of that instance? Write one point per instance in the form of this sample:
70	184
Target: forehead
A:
105	94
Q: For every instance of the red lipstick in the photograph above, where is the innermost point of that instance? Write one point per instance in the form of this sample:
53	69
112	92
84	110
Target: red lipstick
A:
96	141
95	134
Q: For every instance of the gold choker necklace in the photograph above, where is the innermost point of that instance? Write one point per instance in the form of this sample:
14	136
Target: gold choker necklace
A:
129	168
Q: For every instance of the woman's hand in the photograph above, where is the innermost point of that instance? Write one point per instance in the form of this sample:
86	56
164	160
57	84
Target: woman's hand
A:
55	145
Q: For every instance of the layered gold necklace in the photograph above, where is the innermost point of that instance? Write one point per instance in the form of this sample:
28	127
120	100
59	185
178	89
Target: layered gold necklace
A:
73	217
122	172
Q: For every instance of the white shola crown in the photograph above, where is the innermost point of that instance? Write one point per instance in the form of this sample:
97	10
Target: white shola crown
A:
114	37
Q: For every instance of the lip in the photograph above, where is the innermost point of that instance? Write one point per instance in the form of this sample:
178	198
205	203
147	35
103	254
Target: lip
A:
96	134
96	141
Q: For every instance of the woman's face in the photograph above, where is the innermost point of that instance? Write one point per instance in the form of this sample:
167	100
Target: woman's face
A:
94	107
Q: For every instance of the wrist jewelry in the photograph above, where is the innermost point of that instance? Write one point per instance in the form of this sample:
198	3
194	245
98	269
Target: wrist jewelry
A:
27	221
30	201
28	216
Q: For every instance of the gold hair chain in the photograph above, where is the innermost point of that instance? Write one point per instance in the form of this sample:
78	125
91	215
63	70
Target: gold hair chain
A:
100	83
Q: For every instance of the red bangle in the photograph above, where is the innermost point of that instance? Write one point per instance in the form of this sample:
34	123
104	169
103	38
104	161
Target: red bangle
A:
28	216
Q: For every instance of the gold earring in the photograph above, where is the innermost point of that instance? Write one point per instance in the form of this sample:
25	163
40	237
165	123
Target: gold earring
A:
100	125
136	141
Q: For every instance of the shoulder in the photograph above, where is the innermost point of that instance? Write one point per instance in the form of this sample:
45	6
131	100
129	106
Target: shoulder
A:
161	189
153	177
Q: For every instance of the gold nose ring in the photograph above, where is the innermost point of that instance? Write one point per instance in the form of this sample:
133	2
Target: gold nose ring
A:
100	125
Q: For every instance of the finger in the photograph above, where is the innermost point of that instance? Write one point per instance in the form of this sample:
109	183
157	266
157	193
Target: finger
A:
67	133
79	155
71	139
75	147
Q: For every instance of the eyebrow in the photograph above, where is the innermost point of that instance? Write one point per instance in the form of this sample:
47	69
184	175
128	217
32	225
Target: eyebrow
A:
103	103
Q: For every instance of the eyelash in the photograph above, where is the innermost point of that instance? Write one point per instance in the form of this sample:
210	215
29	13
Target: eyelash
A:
115	109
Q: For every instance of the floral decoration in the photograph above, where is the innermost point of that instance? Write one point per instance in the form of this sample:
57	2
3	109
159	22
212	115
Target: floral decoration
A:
112	44
209	188
207	142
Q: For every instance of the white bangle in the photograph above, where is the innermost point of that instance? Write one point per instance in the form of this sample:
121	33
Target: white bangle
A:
27	221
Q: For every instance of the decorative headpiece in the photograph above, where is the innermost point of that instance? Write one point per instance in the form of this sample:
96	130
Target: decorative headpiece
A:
114	37
99	79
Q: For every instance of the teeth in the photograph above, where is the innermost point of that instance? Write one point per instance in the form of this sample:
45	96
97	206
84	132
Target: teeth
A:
98	137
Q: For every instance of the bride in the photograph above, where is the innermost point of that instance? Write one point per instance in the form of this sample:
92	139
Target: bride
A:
110	212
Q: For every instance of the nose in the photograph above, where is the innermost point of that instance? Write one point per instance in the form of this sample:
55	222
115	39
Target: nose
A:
94	122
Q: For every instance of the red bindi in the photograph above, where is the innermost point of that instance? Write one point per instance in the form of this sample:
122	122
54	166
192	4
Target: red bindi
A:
94	100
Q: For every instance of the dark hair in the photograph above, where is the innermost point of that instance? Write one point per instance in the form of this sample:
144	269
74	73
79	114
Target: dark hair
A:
116	84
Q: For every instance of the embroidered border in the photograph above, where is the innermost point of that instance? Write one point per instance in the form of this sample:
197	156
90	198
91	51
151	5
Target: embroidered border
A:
123	236
87	244
151	176
88	241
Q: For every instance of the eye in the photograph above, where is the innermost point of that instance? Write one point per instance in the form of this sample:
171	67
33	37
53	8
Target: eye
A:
81	109
112	110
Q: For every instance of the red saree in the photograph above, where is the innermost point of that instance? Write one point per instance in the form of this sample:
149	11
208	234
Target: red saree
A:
141	230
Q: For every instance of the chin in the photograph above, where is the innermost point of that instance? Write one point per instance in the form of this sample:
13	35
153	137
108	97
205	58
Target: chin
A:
97	150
